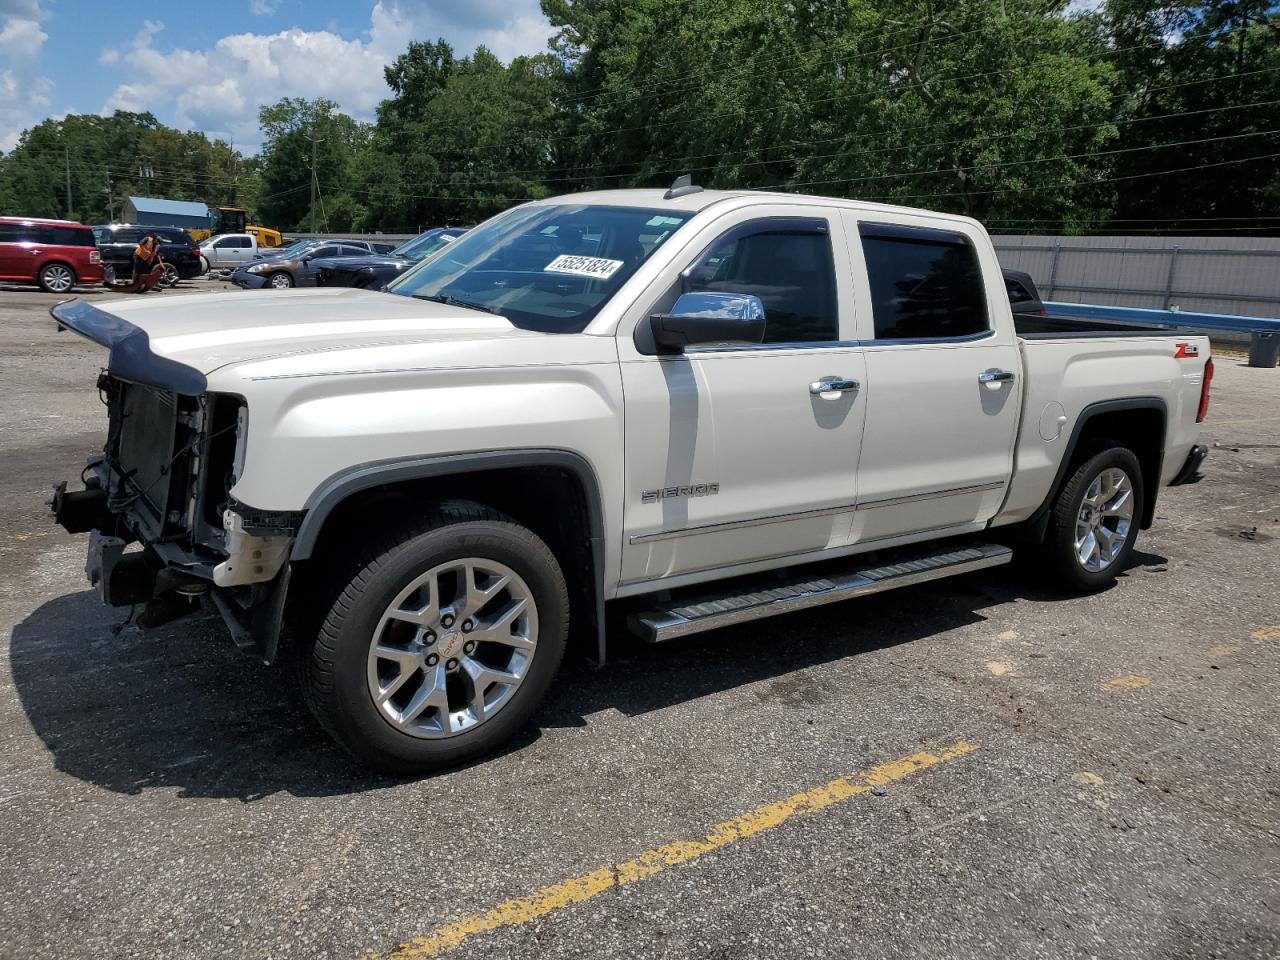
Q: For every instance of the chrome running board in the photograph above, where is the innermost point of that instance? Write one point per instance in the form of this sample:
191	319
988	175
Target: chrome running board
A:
709	611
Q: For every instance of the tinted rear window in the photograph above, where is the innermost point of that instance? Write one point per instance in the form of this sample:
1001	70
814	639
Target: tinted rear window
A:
47	234
925	284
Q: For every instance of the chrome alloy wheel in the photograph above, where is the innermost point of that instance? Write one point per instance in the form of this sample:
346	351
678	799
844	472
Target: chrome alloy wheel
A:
452	649
1105	518
58	278
281	281
171	276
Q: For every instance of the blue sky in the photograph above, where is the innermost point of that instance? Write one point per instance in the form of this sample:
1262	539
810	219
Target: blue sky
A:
209	64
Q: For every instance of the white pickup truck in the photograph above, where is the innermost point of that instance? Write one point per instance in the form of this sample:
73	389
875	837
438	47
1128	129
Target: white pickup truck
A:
228	250
703	407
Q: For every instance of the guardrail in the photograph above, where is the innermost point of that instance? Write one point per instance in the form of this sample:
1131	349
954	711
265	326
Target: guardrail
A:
1264	347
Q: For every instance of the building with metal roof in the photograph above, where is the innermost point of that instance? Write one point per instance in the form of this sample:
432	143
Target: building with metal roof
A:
155	212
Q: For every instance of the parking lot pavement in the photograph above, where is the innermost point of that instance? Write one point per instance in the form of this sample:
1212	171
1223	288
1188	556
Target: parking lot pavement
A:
973	768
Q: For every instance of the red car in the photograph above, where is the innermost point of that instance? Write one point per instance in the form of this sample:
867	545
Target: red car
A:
57	254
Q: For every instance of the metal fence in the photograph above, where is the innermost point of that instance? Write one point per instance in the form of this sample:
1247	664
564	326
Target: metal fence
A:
1233	275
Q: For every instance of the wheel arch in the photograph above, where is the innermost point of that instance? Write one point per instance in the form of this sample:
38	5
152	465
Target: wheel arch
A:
552	492
1141	423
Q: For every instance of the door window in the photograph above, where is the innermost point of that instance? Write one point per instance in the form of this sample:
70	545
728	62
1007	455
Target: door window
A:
925	284
788	264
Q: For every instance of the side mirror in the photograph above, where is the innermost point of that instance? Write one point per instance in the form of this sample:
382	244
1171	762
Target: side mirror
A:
701	318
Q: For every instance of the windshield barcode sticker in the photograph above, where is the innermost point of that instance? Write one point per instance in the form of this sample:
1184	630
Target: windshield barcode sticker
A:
596	267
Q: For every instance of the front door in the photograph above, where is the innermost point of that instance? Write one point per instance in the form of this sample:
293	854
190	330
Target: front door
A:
735	454
944	387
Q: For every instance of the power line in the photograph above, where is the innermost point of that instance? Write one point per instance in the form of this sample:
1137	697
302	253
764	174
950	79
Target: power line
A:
1079	183
1018	163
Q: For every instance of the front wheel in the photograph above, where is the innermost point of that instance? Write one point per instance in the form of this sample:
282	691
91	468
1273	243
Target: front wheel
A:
442	645
280	281
170	277
1094	520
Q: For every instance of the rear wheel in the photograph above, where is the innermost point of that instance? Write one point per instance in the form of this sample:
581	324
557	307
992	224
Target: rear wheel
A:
56	278
1094	521
171	276
443	644
280	281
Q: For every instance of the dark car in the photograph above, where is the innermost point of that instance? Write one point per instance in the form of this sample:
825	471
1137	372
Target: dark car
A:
57	254
179	253
294	265
373	273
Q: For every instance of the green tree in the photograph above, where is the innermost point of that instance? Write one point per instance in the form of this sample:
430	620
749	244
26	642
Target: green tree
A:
957	106
1200	96
476	146
301	135
111	158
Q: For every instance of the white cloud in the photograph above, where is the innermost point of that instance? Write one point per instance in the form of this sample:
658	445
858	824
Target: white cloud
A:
21	38
219	89
24	92
263	8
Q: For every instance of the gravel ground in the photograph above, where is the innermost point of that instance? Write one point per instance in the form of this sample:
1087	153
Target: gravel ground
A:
163	796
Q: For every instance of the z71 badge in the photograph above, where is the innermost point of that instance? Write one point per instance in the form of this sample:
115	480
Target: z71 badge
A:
670	493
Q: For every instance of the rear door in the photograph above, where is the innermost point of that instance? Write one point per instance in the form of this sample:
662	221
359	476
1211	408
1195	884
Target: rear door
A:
15	258
943	390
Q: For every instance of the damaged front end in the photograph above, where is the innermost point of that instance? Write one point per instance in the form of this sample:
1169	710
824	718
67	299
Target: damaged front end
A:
164	529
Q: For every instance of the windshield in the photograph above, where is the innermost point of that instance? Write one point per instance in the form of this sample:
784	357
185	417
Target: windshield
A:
547	268
423	245
289	252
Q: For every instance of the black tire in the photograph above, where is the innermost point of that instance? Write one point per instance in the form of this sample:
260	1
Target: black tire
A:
53	277
279	280
1062	567
335	672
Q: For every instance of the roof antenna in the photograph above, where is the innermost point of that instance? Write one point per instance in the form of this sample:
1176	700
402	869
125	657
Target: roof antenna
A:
681	187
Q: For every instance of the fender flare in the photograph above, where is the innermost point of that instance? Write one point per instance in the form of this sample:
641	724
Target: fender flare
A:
344	484
1037	523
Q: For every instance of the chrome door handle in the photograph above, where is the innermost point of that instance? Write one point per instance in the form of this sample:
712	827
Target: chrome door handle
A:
831	385
995	376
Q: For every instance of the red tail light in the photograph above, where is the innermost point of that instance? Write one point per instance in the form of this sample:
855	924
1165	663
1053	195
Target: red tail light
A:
195	251
1204	391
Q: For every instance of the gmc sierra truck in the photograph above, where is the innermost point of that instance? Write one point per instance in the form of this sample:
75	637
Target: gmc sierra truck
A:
699	407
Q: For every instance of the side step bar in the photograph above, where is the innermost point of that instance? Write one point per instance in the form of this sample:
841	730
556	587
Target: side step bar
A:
712	611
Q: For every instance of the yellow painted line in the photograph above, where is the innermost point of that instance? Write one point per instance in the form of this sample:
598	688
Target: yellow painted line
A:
521	910
1129	681
1266	633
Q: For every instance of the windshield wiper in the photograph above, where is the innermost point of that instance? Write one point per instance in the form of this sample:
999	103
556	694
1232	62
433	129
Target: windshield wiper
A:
455	302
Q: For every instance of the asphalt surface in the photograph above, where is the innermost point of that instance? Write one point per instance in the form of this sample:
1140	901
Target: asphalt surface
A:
1091	777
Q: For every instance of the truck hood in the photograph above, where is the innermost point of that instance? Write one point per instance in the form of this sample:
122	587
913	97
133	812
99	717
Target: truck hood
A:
207	331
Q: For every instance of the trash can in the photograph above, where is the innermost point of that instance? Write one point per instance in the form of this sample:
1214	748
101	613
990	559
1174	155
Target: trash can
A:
1264	350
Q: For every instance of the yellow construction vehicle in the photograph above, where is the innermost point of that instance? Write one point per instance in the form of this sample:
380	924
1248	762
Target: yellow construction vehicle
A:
235	220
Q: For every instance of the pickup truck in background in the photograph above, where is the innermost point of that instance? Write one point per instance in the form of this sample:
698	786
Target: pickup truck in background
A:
697	407
229	250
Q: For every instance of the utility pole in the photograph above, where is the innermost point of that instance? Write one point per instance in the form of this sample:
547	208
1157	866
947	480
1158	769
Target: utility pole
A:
67	153
111	216
314	182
